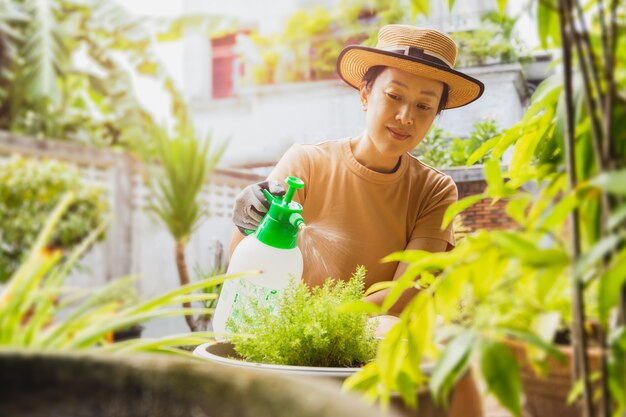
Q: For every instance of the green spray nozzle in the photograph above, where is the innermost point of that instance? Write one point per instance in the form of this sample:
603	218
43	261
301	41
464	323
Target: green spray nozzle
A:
279	227
294	183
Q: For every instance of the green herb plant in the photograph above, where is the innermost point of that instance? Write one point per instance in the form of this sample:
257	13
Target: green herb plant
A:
308	327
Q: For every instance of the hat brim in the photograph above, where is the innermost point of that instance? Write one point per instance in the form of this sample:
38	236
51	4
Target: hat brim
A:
354	61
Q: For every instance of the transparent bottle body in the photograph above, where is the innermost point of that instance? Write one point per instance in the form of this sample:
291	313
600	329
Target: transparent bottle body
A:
277	266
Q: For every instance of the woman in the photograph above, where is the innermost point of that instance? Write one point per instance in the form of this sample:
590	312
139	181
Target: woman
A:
368	193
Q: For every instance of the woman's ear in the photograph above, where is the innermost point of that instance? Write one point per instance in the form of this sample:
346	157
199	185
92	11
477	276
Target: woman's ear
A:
364	92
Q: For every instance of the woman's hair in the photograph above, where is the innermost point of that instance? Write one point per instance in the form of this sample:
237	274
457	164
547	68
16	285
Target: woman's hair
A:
373	73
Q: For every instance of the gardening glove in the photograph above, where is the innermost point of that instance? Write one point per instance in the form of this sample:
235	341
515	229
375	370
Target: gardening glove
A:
251	205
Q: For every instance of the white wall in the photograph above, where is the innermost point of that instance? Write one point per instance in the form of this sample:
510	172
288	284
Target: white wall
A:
266	120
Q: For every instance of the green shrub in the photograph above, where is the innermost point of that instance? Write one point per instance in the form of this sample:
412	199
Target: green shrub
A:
307	328
440	151
29	190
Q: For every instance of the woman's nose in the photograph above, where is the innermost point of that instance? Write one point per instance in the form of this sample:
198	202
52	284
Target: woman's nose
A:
404	116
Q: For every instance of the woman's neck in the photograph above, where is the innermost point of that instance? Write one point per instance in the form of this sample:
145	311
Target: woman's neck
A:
367	155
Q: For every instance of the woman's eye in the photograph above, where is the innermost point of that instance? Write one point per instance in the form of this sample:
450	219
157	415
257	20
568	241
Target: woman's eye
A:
425	107
393	96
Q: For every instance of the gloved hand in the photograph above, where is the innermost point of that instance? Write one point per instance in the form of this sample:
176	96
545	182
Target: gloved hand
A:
251	205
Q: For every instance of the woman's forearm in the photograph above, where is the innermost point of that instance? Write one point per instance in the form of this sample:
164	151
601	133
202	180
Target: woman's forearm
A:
379	296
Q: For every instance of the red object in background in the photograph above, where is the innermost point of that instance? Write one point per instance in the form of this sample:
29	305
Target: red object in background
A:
226	66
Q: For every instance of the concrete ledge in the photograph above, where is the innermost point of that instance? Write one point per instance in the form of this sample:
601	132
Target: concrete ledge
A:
76	384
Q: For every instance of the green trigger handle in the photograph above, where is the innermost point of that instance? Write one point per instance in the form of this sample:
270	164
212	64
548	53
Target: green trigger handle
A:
293	183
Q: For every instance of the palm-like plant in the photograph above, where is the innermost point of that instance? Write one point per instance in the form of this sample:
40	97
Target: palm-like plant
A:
185	163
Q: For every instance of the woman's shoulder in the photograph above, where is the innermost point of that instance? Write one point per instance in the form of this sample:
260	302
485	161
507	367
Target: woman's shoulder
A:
321	150
424	169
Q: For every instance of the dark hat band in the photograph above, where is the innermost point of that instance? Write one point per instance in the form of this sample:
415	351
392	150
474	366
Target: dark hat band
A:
415	52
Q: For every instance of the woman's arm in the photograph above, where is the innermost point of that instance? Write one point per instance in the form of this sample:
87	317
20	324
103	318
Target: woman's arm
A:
420	243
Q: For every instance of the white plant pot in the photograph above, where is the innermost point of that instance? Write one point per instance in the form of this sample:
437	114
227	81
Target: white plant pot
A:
224	353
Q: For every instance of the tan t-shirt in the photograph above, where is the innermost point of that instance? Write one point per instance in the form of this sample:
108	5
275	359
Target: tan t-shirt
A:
356	216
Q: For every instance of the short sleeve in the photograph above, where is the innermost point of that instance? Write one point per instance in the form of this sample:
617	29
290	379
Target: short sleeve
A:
428	223
294	162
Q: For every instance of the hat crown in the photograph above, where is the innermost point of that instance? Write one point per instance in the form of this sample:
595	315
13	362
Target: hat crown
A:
431	41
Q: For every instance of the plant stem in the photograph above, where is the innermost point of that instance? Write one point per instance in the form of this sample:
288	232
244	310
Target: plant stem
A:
183	276
580	368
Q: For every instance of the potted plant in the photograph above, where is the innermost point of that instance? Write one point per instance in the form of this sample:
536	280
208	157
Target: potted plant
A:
311	334
507	294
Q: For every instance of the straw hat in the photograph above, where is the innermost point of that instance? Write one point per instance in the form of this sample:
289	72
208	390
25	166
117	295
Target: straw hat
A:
424	52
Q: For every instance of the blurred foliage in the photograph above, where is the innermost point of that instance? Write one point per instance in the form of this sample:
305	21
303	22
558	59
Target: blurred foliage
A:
29	190
529	283
438	150
308	46
65	69
492	43
38	311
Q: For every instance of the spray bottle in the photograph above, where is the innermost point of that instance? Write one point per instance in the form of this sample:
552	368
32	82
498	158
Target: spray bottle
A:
272	249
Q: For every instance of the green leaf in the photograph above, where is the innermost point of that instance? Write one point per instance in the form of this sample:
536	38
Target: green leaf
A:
547	23
493	174
452	364
517	208
501	373
502	6
596	253
420	7
405	282
523	153
617	217
407	389
578	387
559	213
612	182
364	380
458	206
483	149
609	287
536	341
378	286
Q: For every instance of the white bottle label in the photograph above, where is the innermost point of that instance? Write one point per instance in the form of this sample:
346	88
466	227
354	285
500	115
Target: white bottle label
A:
248	293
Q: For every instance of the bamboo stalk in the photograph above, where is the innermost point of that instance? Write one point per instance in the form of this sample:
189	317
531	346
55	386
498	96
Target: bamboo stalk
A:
584	35
608	155
588	71
580	368
609	148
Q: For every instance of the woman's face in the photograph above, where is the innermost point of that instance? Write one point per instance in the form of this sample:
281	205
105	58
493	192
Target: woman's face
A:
400	109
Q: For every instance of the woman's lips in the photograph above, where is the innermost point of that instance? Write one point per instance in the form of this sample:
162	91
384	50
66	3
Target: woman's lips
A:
397	134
